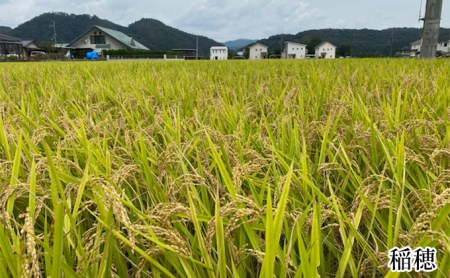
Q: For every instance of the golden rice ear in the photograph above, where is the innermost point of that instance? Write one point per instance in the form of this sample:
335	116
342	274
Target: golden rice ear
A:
201	169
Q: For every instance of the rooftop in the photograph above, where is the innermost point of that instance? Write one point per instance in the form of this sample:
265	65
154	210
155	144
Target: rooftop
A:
128	41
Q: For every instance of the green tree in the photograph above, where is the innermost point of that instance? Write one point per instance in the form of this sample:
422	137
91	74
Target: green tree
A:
312	43
344	50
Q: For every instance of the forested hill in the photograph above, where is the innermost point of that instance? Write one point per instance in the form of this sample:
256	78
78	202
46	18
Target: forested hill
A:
5	30
158	36
68	27
362	42
152	33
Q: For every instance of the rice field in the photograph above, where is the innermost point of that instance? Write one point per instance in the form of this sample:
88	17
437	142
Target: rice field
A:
223	169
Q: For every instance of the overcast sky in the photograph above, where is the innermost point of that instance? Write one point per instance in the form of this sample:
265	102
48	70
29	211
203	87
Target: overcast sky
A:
231	19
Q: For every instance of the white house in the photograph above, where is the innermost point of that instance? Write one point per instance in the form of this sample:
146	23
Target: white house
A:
325	50
258	51
293	50
218	53
99	38
415	47
442	47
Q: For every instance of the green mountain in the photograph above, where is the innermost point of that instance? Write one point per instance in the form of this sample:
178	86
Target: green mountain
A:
68	27
151	33
157	36
5	30
238	44
361	42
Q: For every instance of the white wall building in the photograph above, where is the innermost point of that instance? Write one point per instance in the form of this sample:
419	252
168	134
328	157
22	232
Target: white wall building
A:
442	47
258	51
100	38
293	50
415	47
218	53
325	50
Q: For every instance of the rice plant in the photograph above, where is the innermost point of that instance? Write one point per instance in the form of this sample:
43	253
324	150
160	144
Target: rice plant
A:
233	169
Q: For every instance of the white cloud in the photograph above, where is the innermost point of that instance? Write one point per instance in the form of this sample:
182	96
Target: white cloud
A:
248	18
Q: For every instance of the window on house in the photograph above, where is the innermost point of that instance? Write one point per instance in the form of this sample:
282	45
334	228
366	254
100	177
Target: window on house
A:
98	39
445	44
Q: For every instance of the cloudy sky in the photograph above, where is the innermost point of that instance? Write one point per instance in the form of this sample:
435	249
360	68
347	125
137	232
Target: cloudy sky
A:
231	19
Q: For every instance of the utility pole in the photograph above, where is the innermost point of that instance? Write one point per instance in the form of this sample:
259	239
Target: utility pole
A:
281	47
54	37
54	31
196	49
391	43
430	32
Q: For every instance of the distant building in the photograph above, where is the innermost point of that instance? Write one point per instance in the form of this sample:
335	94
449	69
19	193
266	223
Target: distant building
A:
218	53
443	47
99	38
187	53
29	46
415	48
325	50
404	52
258	51
10	46
293	50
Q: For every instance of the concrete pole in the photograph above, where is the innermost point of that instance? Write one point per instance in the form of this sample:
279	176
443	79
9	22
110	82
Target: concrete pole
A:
196	49
430	32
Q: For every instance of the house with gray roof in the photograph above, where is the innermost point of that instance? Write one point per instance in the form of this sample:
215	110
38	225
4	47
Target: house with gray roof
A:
100	38
10	46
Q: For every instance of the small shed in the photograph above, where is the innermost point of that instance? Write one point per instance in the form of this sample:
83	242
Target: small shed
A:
29	46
